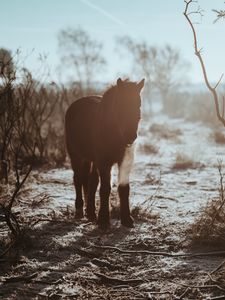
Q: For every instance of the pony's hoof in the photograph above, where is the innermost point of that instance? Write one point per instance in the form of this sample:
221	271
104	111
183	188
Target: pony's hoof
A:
128	222
79	214
103	226
103	223
103	220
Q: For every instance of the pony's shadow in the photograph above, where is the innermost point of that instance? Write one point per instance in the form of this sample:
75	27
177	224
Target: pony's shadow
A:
57	248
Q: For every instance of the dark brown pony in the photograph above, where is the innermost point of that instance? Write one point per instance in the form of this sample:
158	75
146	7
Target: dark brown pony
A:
99	132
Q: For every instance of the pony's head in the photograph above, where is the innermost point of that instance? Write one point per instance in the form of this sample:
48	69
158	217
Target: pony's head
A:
128	108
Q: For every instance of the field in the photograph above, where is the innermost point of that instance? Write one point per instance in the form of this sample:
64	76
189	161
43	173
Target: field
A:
175	175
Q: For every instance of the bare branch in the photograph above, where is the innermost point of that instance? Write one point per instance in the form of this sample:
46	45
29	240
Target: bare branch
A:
220	14
198	54
218	82
223	106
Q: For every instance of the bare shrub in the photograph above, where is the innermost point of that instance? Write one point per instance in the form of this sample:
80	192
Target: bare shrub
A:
152	180
209	227
38	105
14	168
138	212
177	104
163	131
144	214
163	67
32	112
81	53
191	105
148	148
11	146
200	108
183	162
218	137
31	134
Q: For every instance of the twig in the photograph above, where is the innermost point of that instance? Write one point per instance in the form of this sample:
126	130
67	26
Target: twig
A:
218	268
160	253
184	293
207	286
218	297
7	209
113	280
51	220
220	14
26	278
7	249
18	187
154	194
210	277
85	253
9	218
104	263
159	293
218	82
48	282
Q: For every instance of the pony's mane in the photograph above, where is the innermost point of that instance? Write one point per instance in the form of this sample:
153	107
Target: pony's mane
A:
109	93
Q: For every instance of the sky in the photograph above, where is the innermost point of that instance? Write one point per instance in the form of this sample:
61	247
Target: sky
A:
32	26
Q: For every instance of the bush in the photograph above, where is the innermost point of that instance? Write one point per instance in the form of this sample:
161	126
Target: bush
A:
183	162
209	227
218	137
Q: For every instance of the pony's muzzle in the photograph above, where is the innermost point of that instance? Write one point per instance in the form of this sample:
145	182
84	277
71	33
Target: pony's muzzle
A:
131	139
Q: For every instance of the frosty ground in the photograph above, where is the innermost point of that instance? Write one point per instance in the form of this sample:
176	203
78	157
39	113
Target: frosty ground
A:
174	175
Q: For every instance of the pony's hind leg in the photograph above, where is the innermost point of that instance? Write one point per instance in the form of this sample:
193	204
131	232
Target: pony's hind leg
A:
92	187
86	167
105	188
77	180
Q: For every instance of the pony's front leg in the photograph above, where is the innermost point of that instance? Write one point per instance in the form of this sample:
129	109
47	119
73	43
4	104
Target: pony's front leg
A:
124	187
125	216
105	188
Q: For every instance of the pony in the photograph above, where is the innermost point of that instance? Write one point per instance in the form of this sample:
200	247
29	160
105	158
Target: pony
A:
100	131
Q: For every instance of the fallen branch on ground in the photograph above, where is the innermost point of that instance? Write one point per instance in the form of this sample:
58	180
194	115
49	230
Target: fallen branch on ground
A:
25	278
113	280
63	220
207	286
218	268
160	253
218	297
85	253
104	263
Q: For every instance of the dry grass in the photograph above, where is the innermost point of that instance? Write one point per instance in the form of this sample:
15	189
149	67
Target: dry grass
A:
137	212
152	180
210	225
163	131
144	214
183	162
218	137
148	148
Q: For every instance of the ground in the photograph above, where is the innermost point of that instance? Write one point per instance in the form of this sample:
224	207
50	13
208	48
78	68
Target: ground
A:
174	175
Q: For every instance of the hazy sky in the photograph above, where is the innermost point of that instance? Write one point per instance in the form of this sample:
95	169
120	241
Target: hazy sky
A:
33	24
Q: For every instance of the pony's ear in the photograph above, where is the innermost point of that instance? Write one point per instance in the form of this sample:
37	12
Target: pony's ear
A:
119	82
140	84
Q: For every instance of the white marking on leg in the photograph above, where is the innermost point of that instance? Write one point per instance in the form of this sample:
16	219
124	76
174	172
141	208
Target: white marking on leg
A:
126	166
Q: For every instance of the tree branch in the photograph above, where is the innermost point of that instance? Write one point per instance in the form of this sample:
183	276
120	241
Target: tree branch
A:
198	54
